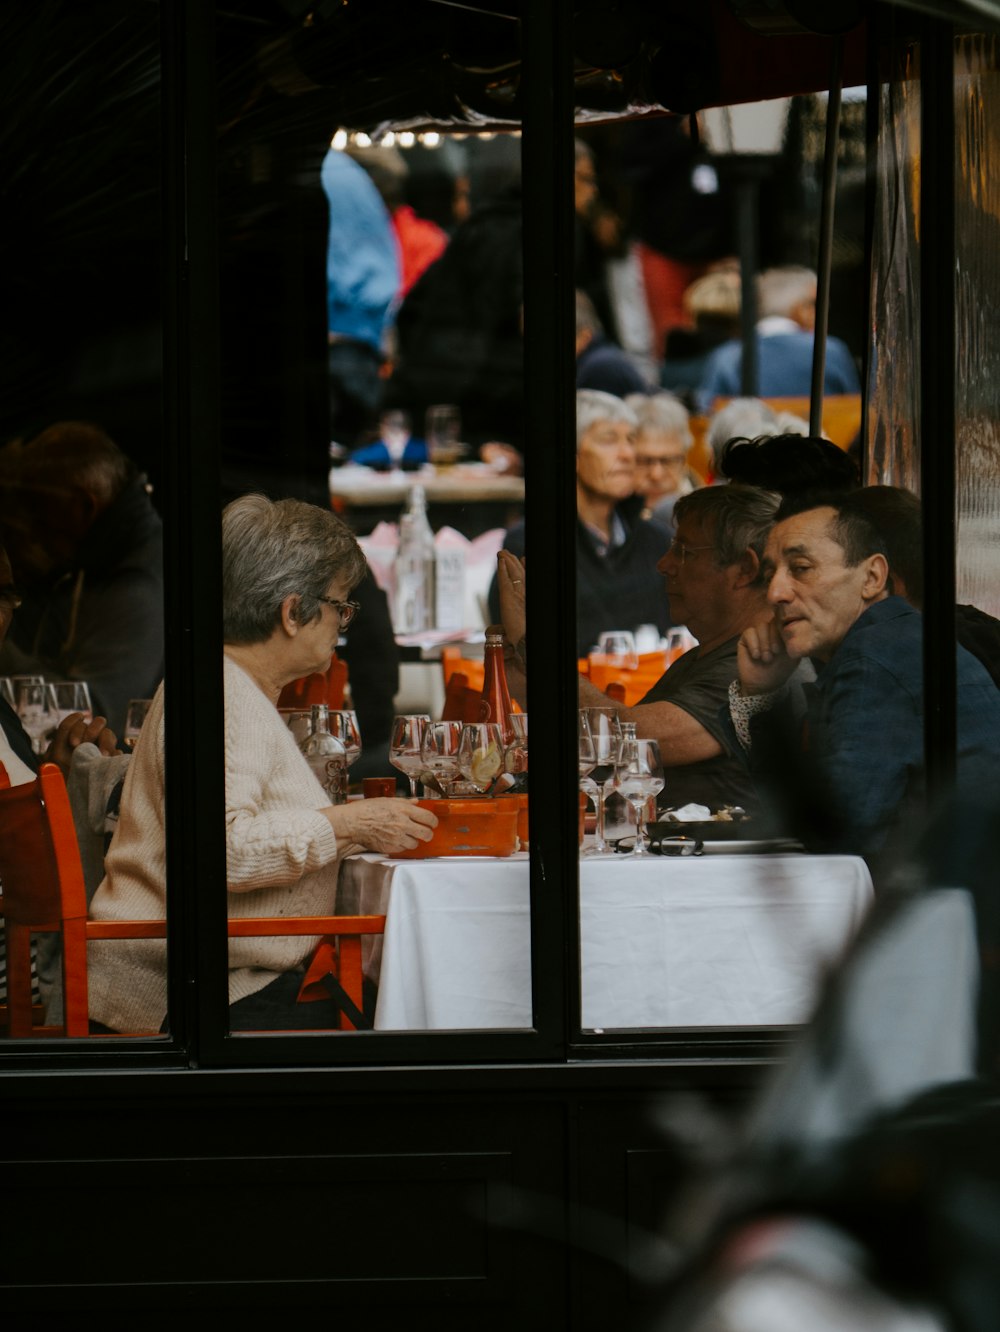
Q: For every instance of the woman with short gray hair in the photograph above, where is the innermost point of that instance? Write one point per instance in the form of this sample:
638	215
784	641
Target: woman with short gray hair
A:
288	571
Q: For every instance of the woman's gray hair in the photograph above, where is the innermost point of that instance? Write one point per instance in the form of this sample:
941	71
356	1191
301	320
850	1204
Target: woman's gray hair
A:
740	517
743	418
662	414
273	549
592	405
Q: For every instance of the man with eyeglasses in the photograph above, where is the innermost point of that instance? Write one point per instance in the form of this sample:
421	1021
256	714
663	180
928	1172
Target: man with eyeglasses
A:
712	571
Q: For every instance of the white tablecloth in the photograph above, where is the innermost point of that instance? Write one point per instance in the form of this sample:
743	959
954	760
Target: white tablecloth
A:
724	940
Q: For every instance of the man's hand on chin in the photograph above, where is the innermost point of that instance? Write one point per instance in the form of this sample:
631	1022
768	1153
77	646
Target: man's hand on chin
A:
763	663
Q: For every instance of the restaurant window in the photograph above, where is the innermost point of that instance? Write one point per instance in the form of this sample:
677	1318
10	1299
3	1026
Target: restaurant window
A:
371	350
697	908
83	490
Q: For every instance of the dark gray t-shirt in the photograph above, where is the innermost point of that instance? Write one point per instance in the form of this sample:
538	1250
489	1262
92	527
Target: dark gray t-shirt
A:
700	685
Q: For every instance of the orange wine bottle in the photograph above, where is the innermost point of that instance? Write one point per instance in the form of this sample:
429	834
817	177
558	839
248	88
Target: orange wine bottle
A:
496	705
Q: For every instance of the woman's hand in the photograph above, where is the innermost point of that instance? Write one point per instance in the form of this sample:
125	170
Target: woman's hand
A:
385	825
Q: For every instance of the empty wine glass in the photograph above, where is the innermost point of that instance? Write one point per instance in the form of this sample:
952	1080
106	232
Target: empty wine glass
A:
586	756
7	690
134	719
439	752
443	428
298	721
639	776
605	730
344	726
32	707
68	696
480	753
516	757
404	747
617	648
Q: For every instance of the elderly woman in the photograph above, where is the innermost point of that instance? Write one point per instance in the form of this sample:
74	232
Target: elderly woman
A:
662	443
288	569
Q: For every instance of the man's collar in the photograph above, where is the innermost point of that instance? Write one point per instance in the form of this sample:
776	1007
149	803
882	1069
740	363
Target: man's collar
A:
889	608
771	325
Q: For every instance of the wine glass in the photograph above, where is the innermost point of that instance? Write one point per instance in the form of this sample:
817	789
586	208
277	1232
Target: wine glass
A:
298	721
586	756
639	776
617	648
605	730
443	427
439	753
516	757
67	696
480	753
32	707
404	747
134	719
344	726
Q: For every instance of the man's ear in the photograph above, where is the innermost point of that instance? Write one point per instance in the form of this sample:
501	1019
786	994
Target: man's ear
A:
749	568
876	577
290	621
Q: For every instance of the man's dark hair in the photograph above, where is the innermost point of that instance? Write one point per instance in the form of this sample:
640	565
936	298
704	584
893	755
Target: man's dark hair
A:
789	464
851	528
896	513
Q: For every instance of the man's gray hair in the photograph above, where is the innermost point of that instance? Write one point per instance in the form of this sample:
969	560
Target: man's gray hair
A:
662	413
273	549
780	290
740	518
593	405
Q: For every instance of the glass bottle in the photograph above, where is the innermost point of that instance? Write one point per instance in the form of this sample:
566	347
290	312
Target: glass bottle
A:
496	705
425	552
409	608
326	755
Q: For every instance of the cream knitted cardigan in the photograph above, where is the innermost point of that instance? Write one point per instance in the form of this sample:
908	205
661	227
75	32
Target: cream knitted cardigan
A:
281	857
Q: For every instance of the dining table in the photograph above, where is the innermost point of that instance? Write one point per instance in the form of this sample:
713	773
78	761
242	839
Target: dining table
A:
719	940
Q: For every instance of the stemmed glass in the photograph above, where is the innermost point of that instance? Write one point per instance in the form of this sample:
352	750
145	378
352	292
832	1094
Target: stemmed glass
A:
67	696
605	730
516	757
136	716
617	648
439	752
404	747
344	726
480	753
639	776
32	706
586	756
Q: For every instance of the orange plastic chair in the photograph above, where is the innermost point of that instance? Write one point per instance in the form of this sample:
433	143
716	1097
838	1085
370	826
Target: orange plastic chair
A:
330	689
43	892
461	700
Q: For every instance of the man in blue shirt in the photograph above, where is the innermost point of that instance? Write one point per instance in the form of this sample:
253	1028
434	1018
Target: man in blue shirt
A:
861	735
787	298
362	282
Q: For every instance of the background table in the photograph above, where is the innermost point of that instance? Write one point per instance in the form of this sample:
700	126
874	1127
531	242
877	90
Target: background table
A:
723	940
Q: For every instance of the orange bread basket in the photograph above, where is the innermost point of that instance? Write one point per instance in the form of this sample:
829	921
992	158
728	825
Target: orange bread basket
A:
482	827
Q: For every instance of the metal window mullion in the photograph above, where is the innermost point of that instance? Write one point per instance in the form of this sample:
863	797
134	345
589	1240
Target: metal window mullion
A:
550	447
195	785
937	397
